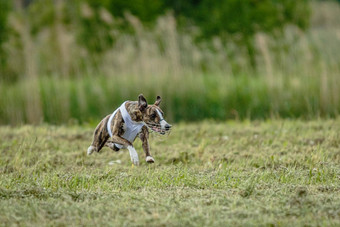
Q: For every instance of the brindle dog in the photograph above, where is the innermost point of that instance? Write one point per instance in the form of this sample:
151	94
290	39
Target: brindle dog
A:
137	113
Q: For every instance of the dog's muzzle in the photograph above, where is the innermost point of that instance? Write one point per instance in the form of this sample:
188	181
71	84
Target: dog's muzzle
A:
162	127
165	126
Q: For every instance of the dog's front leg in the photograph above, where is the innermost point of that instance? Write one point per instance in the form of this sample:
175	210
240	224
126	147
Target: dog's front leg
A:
133	155
129	146
144	136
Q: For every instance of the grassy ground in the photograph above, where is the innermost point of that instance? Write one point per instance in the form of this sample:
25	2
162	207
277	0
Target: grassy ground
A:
209	174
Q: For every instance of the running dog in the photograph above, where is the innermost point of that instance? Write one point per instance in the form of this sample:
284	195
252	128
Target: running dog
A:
131	119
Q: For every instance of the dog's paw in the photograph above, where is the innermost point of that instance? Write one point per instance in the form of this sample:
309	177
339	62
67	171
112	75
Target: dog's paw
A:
150	159
135	162
90	150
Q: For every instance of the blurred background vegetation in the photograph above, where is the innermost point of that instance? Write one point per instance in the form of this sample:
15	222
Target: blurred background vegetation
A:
76	61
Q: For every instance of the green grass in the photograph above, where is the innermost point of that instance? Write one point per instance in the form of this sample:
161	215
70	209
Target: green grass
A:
278	173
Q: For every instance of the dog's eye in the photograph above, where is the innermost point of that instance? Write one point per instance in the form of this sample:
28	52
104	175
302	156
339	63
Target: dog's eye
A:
153	116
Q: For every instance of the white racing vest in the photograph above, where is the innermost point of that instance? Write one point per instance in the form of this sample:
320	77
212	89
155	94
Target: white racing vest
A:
132	128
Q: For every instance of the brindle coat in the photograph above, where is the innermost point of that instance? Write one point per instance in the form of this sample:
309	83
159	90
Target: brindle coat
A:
139	111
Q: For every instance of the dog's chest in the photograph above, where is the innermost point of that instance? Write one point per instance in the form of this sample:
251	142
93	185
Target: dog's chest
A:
130	131
124	127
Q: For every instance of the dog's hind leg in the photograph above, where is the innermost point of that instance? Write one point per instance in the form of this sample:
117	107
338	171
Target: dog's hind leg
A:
100	136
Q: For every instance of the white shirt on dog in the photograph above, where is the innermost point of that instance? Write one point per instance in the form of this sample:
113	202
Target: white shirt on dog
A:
132	128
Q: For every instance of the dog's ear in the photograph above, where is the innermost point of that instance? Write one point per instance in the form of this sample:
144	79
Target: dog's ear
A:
142	104
158	100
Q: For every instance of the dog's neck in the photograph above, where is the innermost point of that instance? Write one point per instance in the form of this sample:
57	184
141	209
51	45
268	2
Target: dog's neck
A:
132	109
127	117
132	127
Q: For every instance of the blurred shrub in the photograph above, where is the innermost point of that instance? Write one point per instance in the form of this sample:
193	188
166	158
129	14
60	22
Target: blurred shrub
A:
217	17
229	18
241	17
97	24
4	10
241	20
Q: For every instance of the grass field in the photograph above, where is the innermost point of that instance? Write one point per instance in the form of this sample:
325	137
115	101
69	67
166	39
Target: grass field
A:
274	173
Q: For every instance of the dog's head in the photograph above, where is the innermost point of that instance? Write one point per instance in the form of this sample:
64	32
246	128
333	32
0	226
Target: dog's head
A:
153	115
